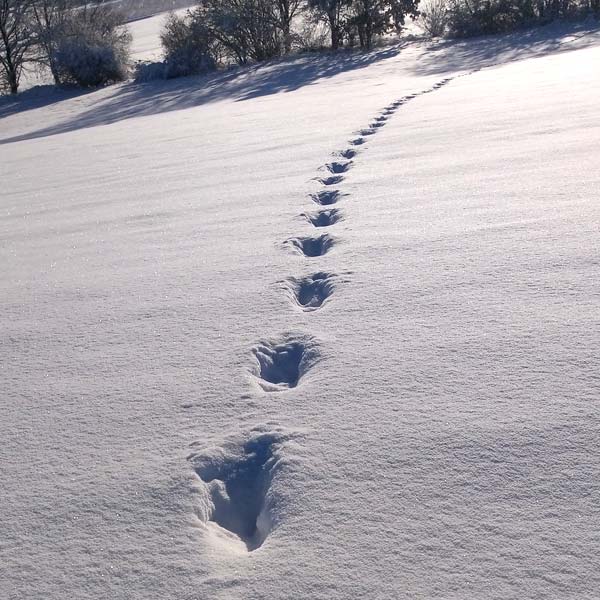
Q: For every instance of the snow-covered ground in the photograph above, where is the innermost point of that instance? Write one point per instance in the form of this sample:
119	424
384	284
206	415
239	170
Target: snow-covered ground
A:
145	37
217	385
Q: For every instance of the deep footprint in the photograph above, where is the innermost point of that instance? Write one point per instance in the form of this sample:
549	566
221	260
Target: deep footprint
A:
310	292
337	167
238	483
358	141
325	218
333	180
312	246
280	365
348	153
327	197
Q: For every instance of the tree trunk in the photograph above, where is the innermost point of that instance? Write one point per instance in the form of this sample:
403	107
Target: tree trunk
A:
285	21
335	33
13	83
369	32
287	38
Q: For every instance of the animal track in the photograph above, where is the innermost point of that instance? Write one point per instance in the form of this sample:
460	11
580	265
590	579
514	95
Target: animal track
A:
312	246
367	131
325	218
311	292
333	180
281	364
238	479
337	167
349	153
326	197
358	141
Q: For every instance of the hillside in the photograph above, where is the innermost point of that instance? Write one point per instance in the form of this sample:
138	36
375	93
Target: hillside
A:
324	328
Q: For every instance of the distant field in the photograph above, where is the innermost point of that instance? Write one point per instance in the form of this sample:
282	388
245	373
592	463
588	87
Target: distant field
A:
139	9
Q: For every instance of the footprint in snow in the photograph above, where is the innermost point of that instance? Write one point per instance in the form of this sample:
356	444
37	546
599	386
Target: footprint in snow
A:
359	141
310	292
348	153
324	218
312	246
333	180
338	167
237	478
281	364
327	197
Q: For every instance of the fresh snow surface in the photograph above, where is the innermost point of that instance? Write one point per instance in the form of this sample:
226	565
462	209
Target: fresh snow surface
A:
145	34
240	361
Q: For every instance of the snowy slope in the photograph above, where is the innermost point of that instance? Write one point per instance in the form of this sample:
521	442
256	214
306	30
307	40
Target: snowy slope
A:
193	408
145	34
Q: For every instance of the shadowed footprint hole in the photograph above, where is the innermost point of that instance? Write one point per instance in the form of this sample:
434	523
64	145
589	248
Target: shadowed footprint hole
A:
348	153
324	218
310	292
338	167
333	180
312	246
238	480
281	364
327	197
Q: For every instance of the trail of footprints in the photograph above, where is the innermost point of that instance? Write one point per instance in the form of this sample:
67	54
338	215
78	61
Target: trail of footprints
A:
238	476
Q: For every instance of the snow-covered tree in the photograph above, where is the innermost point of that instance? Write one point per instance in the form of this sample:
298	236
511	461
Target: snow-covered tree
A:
49	20
91	46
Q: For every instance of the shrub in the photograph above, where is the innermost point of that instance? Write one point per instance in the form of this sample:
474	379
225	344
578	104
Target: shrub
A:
480	17
87	64
311	37
188	45
434	18
248	30
144	71
92	49
467	18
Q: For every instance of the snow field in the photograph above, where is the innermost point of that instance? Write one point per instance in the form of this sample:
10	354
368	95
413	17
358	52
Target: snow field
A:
360	308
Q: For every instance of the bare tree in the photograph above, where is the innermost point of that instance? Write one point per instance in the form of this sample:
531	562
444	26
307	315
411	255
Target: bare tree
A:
334	12
16	40
371	18
287	10
49	18
248	29
434	17
400	9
